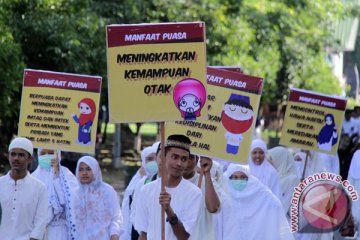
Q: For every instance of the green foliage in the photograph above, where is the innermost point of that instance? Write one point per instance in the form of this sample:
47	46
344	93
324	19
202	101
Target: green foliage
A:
283	41
11	68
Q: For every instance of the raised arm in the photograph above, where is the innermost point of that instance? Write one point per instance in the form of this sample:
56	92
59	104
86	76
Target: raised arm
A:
212	200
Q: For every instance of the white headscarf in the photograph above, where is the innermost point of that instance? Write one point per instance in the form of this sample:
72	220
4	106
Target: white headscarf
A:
243	211
314	164
144	153
69	186
283	162
94	211
354	170
265	172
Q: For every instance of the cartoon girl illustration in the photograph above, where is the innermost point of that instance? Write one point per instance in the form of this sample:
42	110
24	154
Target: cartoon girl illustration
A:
328	136
87	109
236	118
189	97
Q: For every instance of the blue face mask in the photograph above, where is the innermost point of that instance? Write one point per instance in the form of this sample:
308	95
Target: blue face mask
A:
151	167
45	161
238	185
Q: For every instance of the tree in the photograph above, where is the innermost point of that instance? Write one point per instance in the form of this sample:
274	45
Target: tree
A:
283	41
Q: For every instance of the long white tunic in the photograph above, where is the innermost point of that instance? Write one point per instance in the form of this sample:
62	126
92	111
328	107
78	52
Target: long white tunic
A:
204	227
283	162
354	179
61	190
185	202
98	213
24	208
265	172
254	213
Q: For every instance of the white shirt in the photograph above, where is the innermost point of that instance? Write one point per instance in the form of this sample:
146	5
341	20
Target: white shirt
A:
204	227
349	127
185	202
24	208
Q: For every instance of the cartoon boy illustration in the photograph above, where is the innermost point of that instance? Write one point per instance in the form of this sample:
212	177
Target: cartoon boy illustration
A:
237	118
328	136
87	109
189	97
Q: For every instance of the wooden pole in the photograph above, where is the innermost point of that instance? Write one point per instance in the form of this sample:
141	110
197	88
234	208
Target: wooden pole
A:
304	170
201	175
163	177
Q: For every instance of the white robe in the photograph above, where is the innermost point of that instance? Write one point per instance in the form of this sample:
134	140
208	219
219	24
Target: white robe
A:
331	162
97	209
61	190
283	162
354	179
253	213
185	202
128	209
265	172
24	206
204	228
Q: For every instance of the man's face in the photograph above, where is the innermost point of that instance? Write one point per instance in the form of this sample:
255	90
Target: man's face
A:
19	159
258	156
191	164
176	161
238	112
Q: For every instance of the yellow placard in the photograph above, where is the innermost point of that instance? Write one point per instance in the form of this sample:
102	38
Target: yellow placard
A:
60	110
313	121
233	102
157	72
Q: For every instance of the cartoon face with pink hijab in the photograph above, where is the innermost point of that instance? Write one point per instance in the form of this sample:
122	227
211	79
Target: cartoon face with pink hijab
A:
189	97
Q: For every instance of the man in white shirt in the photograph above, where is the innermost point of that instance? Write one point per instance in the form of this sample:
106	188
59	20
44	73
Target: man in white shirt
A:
22	197
349	126
181	200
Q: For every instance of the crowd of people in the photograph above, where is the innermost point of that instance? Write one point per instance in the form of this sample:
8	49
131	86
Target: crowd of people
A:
201	197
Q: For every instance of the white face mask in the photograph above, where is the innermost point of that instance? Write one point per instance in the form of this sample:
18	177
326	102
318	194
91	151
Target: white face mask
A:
238	184
151	167
45	161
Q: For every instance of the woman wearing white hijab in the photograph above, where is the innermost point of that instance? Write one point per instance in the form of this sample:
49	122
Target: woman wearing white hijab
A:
314	163
283	162
97	210
354	179
148	163
62	186
262	169
250	211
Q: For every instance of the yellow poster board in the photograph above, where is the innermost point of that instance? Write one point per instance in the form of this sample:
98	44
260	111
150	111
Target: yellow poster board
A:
60	110
232	102
156	72
313	121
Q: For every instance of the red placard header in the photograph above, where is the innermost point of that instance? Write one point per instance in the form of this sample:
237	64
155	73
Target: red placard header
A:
313	98
131	34
37	78
234	80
